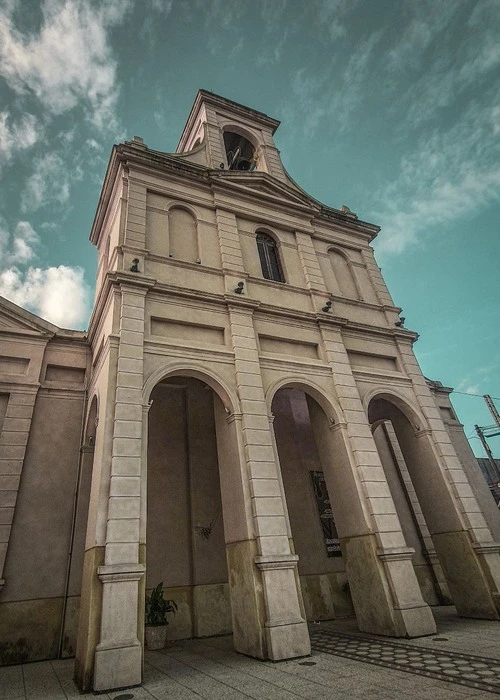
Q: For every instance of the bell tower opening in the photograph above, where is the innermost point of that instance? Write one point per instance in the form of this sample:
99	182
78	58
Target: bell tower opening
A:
240	153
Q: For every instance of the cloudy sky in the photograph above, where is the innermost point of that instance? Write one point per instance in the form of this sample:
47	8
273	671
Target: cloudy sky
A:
391	107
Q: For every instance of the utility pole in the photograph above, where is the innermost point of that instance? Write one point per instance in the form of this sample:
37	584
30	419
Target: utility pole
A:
481	436
493	409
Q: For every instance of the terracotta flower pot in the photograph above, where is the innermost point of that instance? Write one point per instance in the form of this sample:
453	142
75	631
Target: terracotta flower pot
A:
156	636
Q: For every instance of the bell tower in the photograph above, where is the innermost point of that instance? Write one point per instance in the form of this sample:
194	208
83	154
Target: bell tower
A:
231	136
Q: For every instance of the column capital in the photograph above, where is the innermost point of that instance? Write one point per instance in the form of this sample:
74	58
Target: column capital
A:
113	573
395	553
486	547
277	561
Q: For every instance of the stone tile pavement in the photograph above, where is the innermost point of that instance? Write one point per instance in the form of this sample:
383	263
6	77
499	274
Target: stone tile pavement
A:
209	668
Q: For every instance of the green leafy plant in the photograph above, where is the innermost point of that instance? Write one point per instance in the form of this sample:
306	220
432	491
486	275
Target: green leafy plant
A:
157	607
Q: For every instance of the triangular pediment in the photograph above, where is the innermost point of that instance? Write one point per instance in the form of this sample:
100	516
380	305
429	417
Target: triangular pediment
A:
266	187
14	319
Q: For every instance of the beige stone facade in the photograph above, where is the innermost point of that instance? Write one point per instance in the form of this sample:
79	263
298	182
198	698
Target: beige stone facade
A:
243	352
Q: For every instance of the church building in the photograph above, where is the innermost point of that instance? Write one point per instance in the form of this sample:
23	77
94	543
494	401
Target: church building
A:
244	421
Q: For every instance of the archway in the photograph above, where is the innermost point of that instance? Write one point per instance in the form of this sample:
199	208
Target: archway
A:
185	536
416	533
312	517
405	445
384	590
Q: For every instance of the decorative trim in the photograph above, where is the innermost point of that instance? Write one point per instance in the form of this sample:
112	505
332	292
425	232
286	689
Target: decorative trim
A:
121	572
283	623
396	554
486	547
275	562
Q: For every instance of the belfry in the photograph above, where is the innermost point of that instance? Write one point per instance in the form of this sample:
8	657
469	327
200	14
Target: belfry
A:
257	433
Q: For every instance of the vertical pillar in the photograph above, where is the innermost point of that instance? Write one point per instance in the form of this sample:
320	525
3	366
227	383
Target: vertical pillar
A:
118	656
13	442
416	510
384	587
309	260
268	557
230	249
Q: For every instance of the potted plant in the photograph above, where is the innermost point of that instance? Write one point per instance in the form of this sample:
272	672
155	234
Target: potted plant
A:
157	609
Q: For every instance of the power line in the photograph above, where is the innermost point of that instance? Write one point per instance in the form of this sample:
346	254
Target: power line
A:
468	393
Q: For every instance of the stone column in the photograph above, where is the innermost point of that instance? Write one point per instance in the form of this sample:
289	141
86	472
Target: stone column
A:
265	559
384	587
13	441
428	549
118	656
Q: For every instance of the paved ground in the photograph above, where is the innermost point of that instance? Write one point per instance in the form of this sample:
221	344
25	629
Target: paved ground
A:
209	668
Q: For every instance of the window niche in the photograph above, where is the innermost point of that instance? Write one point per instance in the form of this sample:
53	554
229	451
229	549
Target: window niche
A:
344	275
182	235
269	257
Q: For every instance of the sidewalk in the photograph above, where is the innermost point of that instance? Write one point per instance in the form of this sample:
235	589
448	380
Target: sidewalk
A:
209	668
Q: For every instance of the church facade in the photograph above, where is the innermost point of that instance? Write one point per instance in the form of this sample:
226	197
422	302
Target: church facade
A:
244	421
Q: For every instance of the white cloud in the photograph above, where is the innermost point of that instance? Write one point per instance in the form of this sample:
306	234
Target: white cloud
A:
448	175
17	136
58	294
50	182
24	243
69	60
315	99
20	247
162	6
332	15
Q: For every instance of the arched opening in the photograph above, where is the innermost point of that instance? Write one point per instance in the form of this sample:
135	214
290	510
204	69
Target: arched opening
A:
240	153
182	235
422	498
185	533
314	496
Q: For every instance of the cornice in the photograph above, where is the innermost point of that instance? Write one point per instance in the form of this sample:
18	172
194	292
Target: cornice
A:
146	160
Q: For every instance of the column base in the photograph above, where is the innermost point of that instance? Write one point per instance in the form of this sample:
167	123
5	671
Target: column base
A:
415	622
470	577
287	640
384	588
117	666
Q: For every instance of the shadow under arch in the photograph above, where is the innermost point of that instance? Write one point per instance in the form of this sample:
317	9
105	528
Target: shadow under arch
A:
413	415
323	399
226	394
248	134
324	503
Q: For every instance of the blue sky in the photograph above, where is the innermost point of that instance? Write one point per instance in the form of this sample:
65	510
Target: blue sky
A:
390	107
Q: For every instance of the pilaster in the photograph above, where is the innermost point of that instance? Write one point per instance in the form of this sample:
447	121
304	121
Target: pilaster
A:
310	264
230	248
285	629
118	656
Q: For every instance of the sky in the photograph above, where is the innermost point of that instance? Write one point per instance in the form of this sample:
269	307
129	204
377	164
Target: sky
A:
391	107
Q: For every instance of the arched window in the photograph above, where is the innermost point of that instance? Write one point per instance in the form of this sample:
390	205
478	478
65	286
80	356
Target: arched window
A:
269	259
